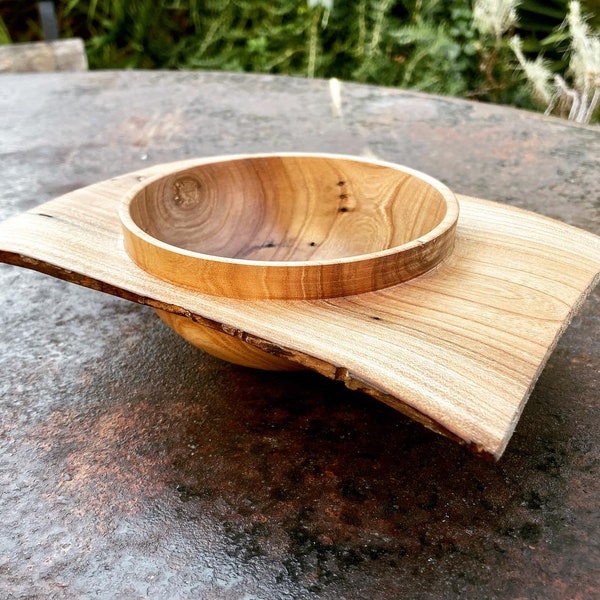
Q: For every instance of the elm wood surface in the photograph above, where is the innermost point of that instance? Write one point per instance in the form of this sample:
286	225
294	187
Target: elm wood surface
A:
458	349
288	227
133	465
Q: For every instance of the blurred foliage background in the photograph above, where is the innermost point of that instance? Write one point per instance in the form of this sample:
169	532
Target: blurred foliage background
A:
428	45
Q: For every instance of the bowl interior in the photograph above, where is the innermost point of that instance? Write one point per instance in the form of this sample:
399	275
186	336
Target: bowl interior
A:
289	208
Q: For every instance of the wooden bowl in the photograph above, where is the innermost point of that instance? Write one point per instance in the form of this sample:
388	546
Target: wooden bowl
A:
284	227
458	349
289	226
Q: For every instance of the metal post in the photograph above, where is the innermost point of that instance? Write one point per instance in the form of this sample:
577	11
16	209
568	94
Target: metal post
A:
49	20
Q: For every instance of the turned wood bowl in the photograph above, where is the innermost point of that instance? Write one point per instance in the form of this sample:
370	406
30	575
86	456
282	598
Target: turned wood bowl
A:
285	227
289	226
244	257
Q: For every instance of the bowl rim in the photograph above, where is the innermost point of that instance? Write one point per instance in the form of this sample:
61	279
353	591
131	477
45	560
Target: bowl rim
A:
447	223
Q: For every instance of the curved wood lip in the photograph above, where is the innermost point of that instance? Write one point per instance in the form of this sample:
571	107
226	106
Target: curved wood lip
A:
446	226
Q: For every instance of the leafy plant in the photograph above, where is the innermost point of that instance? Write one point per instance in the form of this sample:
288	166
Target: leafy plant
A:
440	46
437	48
4	33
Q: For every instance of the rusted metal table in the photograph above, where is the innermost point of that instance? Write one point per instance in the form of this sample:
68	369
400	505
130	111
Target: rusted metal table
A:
134	466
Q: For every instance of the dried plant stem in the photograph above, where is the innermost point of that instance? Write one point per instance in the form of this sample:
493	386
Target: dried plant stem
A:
582	93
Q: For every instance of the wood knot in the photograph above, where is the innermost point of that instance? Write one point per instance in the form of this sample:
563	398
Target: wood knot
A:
187	192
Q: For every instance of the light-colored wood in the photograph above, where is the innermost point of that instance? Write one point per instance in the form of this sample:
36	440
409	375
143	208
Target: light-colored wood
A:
458	348
58	55
289	226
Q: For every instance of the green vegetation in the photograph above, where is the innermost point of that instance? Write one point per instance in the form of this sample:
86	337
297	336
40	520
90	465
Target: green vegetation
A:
439	46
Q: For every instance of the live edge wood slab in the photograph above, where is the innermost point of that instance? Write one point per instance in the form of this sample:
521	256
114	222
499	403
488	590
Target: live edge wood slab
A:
458	347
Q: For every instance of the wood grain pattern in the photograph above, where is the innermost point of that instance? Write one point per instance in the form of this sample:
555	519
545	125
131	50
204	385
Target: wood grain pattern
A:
458	348
289	226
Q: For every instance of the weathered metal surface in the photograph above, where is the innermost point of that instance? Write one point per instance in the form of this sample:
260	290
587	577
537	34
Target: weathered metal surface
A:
132	465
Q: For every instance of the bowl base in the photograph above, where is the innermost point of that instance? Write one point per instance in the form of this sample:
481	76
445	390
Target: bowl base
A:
224	346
